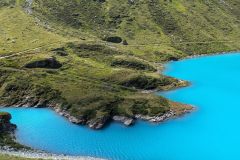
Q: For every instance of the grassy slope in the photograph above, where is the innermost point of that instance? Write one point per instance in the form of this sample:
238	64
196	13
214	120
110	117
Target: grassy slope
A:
20	32
99	79
96	81
155	29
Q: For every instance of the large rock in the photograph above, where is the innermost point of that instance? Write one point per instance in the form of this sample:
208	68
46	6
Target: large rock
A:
5	124
125	120
113	39
156	119
75	120
50	63
98	123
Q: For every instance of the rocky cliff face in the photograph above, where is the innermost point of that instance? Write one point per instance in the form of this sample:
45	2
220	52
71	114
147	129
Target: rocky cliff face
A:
5	124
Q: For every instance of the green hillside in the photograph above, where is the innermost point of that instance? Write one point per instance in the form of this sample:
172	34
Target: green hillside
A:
165	26
93	59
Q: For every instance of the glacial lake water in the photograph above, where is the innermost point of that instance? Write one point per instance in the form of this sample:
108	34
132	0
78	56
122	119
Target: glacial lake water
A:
212	132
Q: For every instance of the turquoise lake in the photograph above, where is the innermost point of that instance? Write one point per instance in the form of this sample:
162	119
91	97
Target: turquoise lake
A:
212	132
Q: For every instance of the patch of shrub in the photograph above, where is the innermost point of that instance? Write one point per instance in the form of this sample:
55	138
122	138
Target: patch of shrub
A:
146	82
95	51
4	3
139	108
51	63
134	64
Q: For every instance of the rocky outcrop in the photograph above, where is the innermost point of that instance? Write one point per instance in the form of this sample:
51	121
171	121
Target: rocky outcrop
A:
75	120
113	39
50	63
28	7
5	124
98	123
60	51
164	117
125	120
157	119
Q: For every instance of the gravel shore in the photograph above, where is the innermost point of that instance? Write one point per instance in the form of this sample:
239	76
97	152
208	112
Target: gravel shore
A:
42	155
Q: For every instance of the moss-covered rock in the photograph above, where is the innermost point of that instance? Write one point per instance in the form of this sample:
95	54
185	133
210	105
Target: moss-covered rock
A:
50	63
147	82
113	39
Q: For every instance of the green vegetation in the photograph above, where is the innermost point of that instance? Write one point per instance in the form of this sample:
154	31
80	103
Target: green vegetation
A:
169	27
132	62
8	140
20	32
87	86
7	3
60	55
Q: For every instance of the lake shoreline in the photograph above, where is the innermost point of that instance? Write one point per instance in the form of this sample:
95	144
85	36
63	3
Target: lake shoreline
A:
211	54
196	56
127	121
37	154
156	119
41	154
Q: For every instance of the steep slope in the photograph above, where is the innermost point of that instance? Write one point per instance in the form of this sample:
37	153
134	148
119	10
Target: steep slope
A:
192	27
